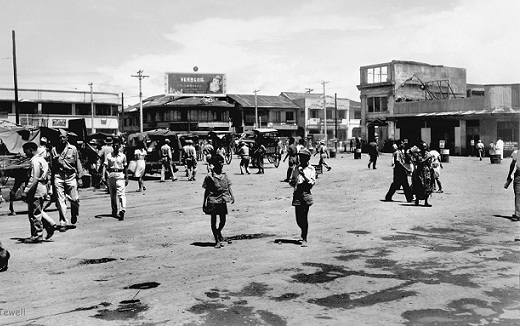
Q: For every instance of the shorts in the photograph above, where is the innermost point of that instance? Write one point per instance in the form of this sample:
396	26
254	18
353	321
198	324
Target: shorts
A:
216	209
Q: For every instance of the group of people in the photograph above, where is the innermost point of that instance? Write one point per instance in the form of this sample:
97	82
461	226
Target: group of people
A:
422	165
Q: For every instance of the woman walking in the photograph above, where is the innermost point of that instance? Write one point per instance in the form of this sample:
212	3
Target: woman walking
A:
422	177
140	155
303	178
217	193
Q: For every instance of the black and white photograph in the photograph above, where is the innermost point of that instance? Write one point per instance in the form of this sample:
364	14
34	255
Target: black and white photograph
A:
259	163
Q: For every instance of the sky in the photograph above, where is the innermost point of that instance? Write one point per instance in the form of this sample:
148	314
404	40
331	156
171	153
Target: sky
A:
269	45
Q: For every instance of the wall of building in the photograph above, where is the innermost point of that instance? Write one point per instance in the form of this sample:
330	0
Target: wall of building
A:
416	107
502	95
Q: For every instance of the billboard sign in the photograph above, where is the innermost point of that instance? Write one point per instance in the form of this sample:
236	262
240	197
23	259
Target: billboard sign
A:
195	84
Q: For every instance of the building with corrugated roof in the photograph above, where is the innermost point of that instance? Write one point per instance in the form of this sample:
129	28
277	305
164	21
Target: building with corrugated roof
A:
54	108
413	101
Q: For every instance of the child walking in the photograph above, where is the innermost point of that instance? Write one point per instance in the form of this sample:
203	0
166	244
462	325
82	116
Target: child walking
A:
217	193
303	178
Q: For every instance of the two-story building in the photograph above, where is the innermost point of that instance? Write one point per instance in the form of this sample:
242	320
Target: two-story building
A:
411	100
342	115
54	108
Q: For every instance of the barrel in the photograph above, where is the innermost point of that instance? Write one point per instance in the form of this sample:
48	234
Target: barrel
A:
445	155
358	154
495	158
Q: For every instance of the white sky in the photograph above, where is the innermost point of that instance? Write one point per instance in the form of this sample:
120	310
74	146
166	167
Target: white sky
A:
271	45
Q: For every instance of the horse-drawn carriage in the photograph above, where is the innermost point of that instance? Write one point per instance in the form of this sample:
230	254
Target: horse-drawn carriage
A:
267	137
224	140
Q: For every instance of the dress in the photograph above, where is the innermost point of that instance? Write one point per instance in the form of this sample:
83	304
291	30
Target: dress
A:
422	177
140	155
302	190
218	188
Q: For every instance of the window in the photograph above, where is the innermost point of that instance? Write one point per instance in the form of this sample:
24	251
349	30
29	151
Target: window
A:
342	114
358	114
376	75
56	108
289	116
83	109
376	104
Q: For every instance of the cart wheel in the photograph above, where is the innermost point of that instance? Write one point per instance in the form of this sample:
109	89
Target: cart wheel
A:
276	160
228	158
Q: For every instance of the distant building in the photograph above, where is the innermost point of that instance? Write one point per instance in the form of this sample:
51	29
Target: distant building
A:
342	123
413	101
54	108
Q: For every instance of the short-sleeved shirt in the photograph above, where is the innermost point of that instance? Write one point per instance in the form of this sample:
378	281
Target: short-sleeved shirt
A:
116	162
140	154
244	151
166	152
218	187
189	152
39	174
292	153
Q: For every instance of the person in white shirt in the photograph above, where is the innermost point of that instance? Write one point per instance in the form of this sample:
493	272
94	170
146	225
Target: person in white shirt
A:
499	147
303	178
116	166
436	168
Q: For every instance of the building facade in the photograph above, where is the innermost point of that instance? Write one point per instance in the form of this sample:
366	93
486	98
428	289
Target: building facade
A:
413	101
54	108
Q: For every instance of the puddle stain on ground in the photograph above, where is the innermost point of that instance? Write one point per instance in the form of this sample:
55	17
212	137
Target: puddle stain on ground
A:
253	289
143	286
248	236
124	311
286	297
400	238
96	261
212	295
358	232
329	273
466	311
344	301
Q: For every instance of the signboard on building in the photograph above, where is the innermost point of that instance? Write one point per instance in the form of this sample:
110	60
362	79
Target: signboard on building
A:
59	122
191	84
318	103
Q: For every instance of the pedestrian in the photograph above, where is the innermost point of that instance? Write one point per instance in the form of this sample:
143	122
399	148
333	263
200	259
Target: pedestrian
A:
21	178
499	147
352	144
218	192
208	151
67	171
436	170
244	153
480	147
303	178
140	155
115	167
401	169
104	151
34	193
293	158
190	158
4	258
514	169
166	161
373	153
260	150
322	151
422	181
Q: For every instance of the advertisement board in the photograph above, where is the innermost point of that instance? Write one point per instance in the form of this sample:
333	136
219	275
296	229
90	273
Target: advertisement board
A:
195	84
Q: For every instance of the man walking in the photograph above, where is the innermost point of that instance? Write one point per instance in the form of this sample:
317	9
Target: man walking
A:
481	149
166	161
190	155
244	153
293	159
322	151
400	172
116	166
373	153
67	172
35	191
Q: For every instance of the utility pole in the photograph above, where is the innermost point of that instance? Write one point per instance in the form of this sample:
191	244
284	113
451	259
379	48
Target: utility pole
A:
336	118
256	113
325	110
16	107
121	119
140	76
91	110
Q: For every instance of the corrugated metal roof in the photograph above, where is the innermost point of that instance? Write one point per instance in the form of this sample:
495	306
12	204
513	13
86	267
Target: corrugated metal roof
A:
300	95
263	101
490	111
168	100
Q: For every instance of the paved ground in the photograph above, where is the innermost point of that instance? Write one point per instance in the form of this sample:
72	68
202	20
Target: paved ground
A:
368	262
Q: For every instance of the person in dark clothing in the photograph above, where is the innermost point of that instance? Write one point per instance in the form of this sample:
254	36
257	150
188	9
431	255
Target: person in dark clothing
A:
373	153
4	258
401	169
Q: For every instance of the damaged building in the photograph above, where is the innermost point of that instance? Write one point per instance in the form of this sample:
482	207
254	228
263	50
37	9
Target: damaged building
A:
413	101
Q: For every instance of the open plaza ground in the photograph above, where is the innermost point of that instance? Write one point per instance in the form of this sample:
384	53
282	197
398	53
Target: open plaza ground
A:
368	262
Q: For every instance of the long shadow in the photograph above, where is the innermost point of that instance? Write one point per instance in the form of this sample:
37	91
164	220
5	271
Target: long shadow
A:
105	216
204	244
22	240
286	241
506	217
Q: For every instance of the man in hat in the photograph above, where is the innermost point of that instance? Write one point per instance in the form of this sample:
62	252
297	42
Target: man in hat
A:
166	161
322	150
34	192
115	166
190	158
67	172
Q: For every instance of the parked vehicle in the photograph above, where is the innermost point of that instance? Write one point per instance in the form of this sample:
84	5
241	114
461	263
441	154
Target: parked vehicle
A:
269	138
226	140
